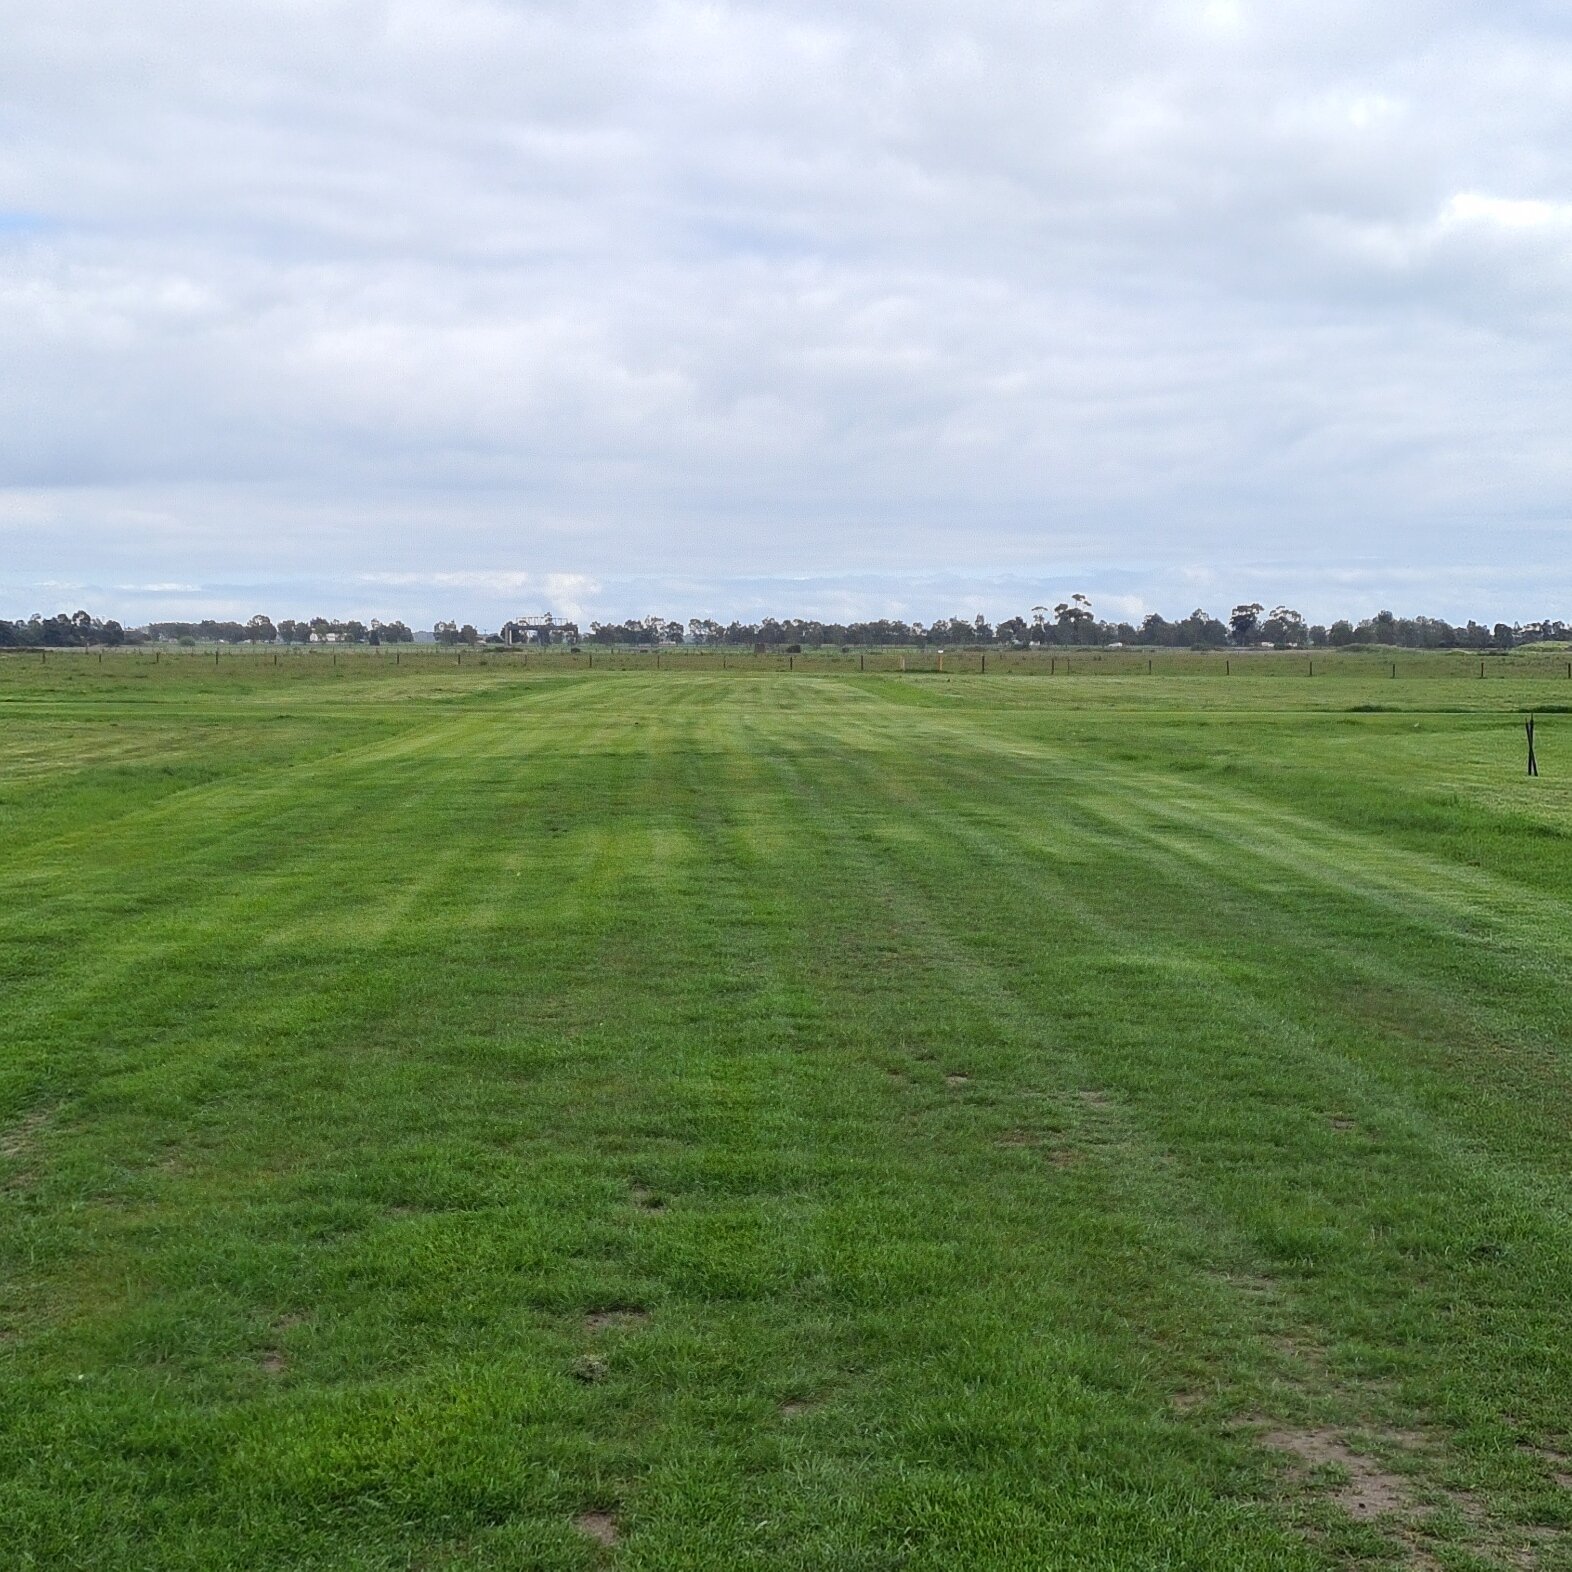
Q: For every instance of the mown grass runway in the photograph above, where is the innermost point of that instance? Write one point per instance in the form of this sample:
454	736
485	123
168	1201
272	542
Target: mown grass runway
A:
502	1117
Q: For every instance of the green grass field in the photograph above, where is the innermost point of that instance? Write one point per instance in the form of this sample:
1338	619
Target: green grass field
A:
515	1116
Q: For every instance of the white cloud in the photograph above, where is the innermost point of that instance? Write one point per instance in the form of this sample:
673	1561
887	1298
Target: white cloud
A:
1472	207
376	294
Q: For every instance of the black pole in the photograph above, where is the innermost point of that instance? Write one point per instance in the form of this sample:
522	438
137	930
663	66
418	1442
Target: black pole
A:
1533	764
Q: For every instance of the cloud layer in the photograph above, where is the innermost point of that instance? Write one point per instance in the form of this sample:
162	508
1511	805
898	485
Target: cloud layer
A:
427	304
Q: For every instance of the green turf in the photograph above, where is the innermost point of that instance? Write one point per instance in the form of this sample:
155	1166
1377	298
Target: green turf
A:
811	1120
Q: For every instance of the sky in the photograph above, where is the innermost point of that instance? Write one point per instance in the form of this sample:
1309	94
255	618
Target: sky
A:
475	308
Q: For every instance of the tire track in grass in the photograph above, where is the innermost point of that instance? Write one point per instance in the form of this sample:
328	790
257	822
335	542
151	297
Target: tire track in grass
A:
768	857
1405	882
1125	1168
1197	1203
1207	829
1227	888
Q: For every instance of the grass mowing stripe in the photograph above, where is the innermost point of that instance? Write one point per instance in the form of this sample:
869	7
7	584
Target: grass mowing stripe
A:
565	1125
1497	1196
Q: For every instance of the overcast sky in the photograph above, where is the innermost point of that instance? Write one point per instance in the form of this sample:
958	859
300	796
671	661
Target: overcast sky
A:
431	307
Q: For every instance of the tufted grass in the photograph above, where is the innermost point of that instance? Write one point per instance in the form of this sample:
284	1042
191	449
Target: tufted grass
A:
503	1116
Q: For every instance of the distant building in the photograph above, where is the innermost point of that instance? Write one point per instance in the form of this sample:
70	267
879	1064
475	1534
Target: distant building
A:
541	629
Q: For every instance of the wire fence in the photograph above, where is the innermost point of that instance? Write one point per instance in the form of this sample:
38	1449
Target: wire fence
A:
1058	663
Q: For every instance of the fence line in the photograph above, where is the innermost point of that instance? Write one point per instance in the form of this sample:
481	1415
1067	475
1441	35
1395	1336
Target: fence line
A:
1059	664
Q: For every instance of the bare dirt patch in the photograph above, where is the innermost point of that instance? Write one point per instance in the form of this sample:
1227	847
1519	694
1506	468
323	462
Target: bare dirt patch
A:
647	1200
616	1317
1056	1151
599	1526
1344	1124
589	1368
956	1078
1559	1464
274	1361
1368	1491
1253	1285
18	1140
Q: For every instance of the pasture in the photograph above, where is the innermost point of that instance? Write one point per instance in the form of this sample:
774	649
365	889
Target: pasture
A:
510	1115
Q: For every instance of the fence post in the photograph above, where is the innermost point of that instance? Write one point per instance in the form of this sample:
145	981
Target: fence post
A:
985	666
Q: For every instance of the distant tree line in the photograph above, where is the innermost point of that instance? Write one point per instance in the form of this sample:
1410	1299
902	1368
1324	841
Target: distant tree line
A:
288	630
1069	623
61	632
1073	622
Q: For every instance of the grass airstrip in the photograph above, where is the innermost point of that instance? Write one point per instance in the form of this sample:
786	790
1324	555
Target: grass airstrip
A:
512	1115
